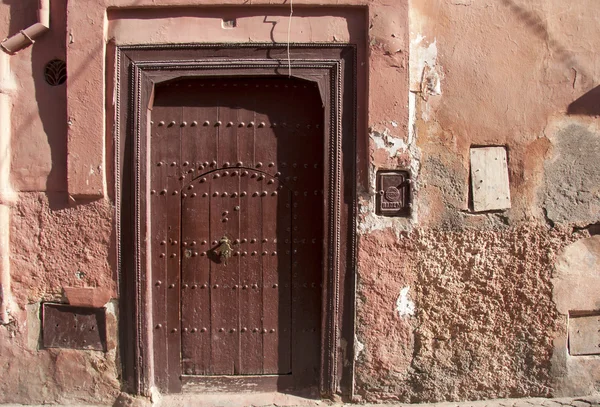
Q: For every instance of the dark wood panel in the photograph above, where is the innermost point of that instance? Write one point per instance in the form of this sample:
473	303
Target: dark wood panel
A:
173	209
246	126
199	148
277	316
195	312
304	174
223	274
241	155
251	338
159	161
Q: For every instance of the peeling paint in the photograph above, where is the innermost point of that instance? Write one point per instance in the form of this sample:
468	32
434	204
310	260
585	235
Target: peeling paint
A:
431	83
111	307
404	305
386	141
155	395
358	347
413	150
422	56
369	221
412	116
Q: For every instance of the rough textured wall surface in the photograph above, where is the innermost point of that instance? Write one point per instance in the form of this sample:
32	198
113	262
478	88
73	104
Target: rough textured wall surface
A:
484	319
62	376
55	246
571	190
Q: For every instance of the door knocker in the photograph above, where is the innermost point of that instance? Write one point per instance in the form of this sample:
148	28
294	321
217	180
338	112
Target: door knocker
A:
223	250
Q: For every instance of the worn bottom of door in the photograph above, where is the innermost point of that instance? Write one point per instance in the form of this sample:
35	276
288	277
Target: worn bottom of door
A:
237	233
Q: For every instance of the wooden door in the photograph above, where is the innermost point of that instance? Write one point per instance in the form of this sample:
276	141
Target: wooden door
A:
237	229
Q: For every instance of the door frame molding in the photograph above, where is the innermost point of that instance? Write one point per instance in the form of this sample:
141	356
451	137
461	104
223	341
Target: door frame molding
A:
138	69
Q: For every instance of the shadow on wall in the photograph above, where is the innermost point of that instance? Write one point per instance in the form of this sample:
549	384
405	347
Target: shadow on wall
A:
593	229
51	100
539	28
588	104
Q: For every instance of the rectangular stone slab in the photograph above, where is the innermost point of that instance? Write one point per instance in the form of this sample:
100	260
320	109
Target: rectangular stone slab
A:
584	338
489	179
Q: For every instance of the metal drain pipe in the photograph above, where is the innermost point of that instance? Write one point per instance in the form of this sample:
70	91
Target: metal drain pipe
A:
26	37
10	46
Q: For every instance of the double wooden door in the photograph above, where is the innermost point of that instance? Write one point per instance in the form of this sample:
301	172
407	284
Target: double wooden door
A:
236	200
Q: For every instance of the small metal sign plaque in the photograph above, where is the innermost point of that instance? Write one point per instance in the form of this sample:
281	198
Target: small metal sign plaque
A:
393	193
69	327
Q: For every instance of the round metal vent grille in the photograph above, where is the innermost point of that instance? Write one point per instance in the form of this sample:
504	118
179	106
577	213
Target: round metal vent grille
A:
55	72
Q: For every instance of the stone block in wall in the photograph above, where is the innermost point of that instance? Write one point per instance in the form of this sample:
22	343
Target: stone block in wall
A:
489	179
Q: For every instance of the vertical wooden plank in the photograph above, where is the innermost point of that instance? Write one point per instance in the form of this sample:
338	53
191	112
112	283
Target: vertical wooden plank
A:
202	105
306	271
276	269
224	277
225	224
301	168
173	326
250	306
246	123
195	278
200	150
271	110
195	300
307	180
158	230
189	213
227	123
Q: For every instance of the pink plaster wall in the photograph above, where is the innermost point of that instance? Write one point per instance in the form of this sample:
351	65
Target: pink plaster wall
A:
510	71
39	119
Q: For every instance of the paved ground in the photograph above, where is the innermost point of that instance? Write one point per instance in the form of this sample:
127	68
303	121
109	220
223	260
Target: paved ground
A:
280	400
283	400
590	401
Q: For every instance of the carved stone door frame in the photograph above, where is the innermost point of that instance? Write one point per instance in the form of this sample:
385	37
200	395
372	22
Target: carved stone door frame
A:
139	68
